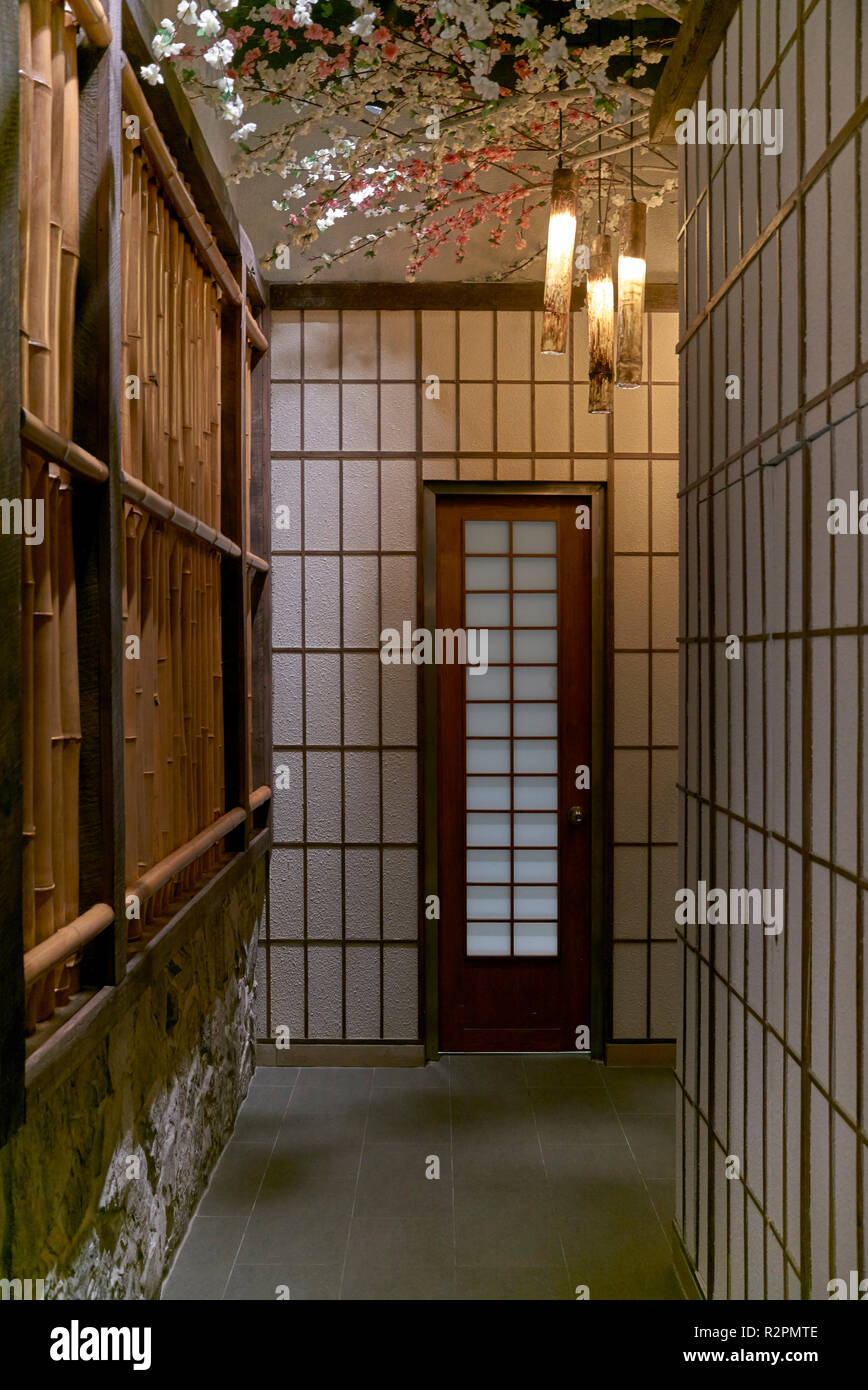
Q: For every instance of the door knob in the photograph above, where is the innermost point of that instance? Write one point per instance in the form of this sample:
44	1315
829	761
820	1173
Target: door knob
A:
575	815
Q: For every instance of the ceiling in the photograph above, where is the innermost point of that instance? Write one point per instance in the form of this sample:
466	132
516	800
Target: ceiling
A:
252	199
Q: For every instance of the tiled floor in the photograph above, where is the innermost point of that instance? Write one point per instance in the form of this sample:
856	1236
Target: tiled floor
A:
554	1172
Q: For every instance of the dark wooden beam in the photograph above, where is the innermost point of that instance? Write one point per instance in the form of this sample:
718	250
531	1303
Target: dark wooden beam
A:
11	941
700	37
98	514
660	297
260	584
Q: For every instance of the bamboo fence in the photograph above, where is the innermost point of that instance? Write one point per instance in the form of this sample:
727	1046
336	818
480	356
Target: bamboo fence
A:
173	691
49	255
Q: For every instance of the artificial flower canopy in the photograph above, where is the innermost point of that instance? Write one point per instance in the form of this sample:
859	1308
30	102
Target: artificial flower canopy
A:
432	119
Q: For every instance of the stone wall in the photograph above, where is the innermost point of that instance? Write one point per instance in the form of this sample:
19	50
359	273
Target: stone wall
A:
109	1166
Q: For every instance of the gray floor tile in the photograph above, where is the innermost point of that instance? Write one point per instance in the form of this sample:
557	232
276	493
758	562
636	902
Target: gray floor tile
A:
599	1178
305	1281
643	1090
502	1285
202	1265
484	1072
393	1182
261	1113
652	1139
413	1244
289	1226
387	1283
433	1076
397	1116
575	1115
328	1145
236	1180
275	1076
562	1070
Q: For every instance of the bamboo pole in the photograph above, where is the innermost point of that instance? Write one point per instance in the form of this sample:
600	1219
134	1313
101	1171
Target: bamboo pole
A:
39	260
91	16
25	143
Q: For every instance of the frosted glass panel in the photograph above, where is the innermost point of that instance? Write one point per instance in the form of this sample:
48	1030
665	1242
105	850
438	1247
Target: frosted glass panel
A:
489	574
534	610
487	719
488	865
534	537
535	755
533	645
492	684
486	537
538	901
488	793
498	646
488	938
536	939
489	755
534	574
535	719
535	683
535	866
536	793
487	610
488	828
534	830
490	901
511	750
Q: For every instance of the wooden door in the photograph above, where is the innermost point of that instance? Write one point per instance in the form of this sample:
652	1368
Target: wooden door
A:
513	827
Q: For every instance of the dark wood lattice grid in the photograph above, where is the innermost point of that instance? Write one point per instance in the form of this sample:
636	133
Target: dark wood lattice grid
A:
773	1061
348	401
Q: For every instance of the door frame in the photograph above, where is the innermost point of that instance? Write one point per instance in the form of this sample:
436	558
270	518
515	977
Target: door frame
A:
601	747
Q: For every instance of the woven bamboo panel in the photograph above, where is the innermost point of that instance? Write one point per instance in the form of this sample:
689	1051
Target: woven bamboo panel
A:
173	691
49	254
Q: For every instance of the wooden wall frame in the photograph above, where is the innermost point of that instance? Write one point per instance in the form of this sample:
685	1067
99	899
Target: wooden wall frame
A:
602	825
98	541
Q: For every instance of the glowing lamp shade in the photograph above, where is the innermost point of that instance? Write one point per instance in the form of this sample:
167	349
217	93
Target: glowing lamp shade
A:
631	293
601	327
559	261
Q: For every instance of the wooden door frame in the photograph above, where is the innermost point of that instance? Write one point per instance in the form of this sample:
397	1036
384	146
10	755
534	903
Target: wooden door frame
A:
601	748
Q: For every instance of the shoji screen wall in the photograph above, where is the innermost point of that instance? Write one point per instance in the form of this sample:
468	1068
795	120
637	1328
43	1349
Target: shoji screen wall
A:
773	1061
354	433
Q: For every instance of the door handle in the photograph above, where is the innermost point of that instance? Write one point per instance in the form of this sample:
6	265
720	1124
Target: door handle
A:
575	815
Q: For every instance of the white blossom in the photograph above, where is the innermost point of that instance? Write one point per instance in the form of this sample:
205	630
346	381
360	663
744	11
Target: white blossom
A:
151	73
220	52
243	131
555	56
210	24
528	27
484	87
187	12
364	26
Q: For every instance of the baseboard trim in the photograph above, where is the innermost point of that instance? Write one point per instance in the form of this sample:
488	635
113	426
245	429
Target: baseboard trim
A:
640	1054
687	1275
341	1054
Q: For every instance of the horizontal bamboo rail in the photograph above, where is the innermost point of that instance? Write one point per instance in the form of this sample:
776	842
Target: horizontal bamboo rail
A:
174	187
256	562
157	505
259	797
255	334
91	16
160	874
57	948
58	449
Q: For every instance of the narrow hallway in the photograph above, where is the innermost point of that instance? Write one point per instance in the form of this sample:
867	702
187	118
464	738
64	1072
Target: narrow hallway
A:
554	1172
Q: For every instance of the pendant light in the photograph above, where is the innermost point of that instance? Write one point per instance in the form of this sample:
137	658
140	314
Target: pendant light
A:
631	293
559	258
601	315
631	282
